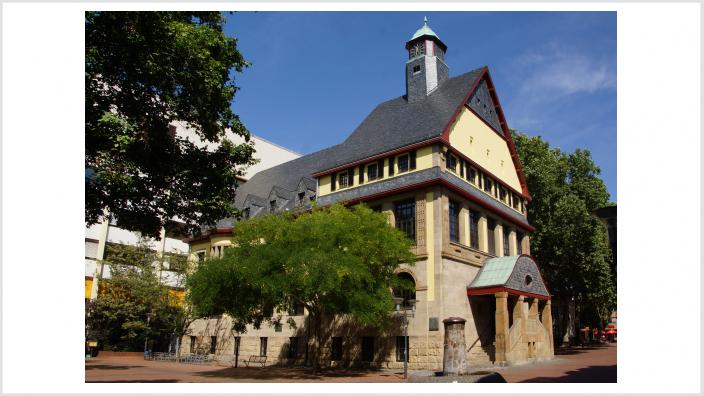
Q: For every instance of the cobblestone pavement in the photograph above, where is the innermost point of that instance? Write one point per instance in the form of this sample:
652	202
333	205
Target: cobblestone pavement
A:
136	369
588	364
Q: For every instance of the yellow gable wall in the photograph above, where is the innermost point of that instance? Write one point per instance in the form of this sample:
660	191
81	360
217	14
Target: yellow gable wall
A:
424	160
472	137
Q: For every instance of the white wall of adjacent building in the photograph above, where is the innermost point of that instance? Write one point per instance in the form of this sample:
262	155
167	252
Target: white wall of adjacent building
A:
268	155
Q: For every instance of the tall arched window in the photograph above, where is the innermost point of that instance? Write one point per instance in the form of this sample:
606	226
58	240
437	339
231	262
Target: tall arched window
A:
406	294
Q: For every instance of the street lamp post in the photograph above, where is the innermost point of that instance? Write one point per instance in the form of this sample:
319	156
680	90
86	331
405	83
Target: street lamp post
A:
403	305
149	316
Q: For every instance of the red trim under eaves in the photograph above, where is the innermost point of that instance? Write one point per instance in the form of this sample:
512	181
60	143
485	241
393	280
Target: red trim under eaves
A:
524	226
483	170
497	289
446	131
481	203
509	139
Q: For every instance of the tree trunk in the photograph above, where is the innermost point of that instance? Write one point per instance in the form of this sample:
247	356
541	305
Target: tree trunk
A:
318	342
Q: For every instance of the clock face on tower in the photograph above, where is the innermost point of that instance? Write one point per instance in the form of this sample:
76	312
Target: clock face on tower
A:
417	49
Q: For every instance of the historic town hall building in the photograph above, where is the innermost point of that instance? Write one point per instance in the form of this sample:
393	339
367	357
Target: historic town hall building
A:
440	161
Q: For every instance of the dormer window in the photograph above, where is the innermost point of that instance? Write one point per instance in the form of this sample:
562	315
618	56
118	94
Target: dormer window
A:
272	205
301	197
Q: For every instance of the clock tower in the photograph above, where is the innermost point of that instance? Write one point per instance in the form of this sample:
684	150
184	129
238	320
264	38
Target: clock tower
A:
425	68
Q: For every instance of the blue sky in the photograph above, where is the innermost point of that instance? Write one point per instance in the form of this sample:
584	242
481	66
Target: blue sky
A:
316	75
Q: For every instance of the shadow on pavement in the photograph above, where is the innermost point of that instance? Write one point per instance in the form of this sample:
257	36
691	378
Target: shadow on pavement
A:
577	350
283	374
132	381
492	378
591	374
109	367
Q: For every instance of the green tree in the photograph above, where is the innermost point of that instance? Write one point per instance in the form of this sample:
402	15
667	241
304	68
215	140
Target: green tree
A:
144	70
133	304
334	261
570	243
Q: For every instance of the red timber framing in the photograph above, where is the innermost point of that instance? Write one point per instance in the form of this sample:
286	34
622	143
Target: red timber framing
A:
502	120
496	289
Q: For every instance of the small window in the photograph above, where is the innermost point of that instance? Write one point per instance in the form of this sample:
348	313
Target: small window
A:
488	184
262	346
301	197
336	350
452	163
245	213
473	229
515	201
471	175
502	193
507	251
292	347
367	349
491	236
372	172
312	197
519	243
213	344
343	180
272	205
416	69
403	163
295	309
402	347
454	222
201	256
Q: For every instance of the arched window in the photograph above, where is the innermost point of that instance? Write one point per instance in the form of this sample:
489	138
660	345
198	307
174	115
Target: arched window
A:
406	294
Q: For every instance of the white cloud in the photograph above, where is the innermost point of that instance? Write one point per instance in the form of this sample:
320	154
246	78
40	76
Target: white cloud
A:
558	72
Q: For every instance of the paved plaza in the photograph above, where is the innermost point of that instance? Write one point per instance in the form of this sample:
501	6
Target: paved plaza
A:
587	364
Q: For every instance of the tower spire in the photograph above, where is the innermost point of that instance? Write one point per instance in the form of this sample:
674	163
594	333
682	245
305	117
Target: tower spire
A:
425	68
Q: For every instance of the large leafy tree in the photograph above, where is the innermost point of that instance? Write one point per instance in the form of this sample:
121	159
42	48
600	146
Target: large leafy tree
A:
134	303
570	243
334	261
144	70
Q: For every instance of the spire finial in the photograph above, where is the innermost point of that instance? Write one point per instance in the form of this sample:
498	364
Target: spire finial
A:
425	20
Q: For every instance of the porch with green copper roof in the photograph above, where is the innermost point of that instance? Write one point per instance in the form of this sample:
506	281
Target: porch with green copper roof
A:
522	311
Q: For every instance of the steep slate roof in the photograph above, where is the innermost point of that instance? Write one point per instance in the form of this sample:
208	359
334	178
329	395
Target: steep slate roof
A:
391	125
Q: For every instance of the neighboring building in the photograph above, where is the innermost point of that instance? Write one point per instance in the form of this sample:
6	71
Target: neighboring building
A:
440	161
607	215
104	233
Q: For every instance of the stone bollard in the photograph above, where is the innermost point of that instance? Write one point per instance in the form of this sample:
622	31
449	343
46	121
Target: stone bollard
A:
454	359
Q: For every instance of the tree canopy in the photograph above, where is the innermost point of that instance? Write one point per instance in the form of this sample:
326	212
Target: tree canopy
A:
570	243
333	261
133	304
144	70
